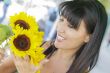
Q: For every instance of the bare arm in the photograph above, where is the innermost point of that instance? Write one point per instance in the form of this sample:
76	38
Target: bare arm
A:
7	66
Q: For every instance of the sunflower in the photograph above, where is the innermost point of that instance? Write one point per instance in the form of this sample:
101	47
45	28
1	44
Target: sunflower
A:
25	42
23	20
37	56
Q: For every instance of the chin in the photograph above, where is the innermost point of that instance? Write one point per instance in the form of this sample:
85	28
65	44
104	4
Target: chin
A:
59	45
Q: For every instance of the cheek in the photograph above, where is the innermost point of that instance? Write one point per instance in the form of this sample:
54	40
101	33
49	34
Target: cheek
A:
74	40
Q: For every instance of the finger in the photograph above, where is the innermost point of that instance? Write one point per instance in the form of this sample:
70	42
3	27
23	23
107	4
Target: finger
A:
13	56
26	58
18	59
42	63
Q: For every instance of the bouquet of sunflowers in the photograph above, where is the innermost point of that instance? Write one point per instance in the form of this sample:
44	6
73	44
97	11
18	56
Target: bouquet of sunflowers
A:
26	39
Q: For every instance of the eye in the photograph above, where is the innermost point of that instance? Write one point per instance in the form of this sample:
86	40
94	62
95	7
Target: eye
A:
61	19
70	26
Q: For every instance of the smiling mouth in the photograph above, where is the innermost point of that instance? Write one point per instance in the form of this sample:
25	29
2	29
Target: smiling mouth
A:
60	38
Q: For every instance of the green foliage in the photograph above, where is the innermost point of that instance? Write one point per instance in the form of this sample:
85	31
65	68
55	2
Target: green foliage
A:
106	3
5	32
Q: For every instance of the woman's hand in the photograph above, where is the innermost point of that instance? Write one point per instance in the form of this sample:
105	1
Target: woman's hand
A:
1	54
23	65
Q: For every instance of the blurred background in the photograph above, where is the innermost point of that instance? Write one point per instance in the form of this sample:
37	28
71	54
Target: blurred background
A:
46	12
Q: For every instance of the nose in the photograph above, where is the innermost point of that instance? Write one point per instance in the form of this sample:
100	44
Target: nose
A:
61	28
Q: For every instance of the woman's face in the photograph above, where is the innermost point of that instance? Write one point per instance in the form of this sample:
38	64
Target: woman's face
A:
68	37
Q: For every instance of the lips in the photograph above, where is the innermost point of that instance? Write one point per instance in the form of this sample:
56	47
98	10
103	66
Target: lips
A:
60	38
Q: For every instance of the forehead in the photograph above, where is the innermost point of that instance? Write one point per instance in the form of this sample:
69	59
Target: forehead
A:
80	25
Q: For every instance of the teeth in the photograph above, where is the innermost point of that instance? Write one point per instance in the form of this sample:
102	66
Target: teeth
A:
60	37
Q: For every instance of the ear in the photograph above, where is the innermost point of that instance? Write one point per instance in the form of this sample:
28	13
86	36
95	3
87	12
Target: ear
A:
87	38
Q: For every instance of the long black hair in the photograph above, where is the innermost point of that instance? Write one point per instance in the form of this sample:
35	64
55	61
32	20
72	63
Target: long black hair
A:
95	17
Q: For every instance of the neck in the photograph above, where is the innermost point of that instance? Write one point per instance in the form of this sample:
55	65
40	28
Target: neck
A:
66	54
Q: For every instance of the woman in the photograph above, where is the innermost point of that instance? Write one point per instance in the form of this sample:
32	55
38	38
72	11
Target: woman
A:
80	29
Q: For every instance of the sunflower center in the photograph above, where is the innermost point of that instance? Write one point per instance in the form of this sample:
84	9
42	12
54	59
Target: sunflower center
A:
22	43
22	24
